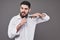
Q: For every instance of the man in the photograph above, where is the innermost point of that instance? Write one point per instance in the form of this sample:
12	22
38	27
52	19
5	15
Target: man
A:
24	24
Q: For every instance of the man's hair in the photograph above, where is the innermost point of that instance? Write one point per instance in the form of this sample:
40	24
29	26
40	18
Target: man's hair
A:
25	3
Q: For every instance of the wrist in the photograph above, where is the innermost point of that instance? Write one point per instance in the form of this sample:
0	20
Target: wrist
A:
20	24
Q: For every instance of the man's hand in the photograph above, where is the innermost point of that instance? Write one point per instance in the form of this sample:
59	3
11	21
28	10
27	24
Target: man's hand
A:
23	21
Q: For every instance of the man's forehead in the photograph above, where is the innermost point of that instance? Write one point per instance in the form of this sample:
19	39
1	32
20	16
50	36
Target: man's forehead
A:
24	6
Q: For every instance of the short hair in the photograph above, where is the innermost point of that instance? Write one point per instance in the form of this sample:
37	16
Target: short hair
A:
25	3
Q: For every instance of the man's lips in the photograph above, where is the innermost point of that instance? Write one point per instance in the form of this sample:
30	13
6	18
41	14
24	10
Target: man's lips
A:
23	14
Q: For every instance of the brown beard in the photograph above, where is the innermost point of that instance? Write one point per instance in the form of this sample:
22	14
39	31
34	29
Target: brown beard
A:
23	16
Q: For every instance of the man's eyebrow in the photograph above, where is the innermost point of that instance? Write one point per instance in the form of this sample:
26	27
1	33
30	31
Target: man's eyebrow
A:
26	8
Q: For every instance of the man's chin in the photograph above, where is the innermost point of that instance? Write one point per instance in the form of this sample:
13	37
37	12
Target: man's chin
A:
24	15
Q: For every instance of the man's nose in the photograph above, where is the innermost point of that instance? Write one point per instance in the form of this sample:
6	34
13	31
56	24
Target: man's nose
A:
23	10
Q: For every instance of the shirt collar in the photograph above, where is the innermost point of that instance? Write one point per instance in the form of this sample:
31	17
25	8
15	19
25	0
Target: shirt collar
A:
18	16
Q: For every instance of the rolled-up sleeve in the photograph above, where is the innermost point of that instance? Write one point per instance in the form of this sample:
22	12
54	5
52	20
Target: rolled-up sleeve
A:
44	19
12	29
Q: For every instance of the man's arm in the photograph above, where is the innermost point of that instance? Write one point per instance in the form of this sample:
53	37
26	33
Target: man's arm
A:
42	17
14	28
23	21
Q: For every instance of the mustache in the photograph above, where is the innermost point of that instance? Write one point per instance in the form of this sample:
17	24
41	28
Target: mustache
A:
22	12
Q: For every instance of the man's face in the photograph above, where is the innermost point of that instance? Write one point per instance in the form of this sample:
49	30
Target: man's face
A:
24	10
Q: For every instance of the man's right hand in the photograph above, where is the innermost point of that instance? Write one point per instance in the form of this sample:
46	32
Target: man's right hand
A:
23	21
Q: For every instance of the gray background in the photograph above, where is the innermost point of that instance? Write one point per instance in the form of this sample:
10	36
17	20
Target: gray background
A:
45	31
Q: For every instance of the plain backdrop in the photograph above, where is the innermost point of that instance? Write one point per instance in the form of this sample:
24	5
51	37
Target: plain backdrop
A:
45	31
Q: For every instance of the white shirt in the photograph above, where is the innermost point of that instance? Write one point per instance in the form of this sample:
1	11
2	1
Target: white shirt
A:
27	31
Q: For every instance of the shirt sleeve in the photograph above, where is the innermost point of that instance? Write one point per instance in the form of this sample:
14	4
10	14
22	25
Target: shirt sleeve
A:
44	19
12	32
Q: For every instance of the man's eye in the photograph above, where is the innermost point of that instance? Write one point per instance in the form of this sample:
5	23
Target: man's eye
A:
21	8
25	8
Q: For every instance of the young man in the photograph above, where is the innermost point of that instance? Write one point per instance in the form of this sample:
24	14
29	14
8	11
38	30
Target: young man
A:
23	24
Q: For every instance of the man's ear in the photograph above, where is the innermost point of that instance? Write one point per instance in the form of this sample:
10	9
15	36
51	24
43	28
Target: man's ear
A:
29	9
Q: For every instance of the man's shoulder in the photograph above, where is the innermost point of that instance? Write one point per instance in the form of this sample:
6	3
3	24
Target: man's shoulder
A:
14	17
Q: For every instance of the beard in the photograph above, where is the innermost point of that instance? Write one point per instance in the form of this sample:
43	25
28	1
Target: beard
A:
23	16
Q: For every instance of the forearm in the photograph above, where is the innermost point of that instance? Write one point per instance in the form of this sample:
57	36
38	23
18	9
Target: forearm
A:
12	31
23	21
18	27
44	16
41	15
